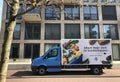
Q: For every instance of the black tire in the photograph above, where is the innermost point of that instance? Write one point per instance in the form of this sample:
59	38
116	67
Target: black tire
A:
42	71
96	71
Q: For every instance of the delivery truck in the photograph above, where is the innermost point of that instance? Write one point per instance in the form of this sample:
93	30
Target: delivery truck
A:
92	54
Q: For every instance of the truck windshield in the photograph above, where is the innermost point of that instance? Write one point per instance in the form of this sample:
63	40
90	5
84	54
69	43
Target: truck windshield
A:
52	53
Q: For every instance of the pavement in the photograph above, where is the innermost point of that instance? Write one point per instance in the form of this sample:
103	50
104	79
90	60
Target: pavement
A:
114	72
109	75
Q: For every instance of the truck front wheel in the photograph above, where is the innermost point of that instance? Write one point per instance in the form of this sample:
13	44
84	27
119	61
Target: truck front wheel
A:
96	70
42	71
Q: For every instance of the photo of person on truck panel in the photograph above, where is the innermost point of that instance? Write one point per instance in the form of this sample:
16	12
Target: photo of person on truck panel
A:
72	53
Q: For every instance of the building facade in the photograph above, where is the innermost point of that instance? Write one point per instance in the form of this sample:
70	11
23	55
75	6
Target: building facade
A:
38	30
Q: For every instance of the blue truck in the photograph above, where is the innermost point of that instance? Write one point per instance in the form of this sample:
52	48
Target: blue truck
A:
92	54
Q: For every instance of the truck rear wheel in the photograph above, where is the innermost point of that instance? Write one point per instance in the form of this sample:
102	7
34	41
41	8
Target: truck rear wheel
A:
42	71
96	70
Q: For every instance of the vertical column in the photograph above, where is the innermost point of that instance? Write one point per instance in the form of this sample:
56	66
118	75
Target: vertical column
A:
42	24
82	23
100	22
2	29
41	49
82	31
118	18
22	36
62	25
42	31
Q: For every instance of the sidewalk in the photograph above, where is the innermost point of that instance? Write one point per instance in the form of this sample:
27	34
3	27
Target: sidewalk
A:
28	73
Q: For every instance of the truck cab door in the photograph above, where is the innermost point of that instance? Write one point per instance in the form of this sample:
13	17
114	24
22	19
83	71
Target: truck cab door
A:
53	61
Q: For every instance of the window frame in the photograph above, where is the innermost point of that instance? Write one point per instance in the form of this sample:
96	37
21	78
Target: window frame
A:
52	35
90	26
66	26
32	27
118	52
90	13
53	16
11	51
69	15
107	16
31	46
116	29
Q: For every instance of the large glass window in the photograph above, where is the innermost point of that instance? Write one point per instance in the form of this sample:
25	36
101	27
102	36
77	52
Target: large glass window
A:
19	11
32	31
109	12
52	13
108	0
52	32
103	0
14	53
72	12
116	52
72	31
118	0
91	31
110	31
112	0
94	0
36	10
90	13
85	0
31	50
17	30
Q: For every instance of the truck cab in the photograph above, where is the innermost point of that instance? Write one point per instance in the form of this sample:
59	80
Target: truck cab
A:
50	61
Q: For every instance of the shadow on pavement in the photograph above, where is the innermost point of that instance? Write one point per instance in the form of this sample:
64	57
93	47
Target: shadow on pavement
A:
29	73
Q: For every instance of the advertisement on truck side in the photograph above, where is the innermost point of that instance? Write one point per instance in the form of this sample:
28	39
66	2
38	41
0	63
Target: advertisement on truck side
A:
86	51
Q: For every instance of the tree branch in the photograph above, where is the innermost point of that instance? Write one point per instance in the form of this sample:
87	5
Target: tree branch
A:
33	7
7	3
26	11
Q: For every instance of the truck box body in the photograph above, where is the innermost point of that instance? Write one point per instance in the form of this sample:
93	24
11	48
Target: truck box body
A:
86	51
95	54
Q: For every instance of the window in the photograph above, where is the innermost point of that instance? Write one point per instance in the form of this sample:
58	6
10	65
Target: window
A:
17	30
112	0
110	31
109	12
94	0
72	31
52	53
52	13
32	31
85	0
118	0
14	53
103	0
31	50
116	52
36	10
90	13
19	11
8	12
91	31
72	12
52	32
47	46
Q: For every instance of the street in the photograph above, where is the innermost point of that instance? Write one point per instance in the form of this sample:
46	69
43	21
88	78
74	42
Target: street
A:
109	75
